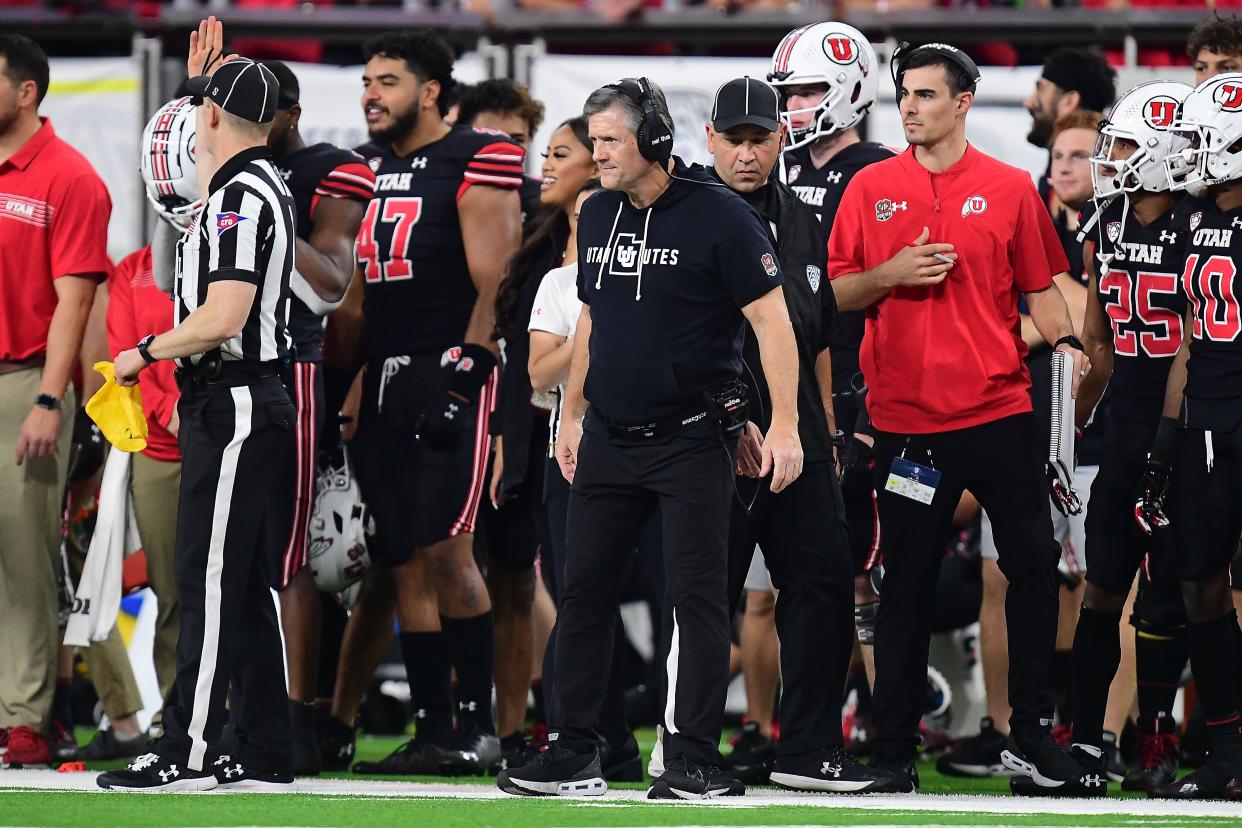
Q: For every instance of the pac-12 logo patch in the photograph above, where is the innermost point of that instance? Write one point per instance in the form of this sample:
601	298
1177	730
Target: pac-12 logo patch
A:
1195	219
1113	230
813	275
1160	111
974	204
227	221
1229	97
794	172
769	265
840	49
885	207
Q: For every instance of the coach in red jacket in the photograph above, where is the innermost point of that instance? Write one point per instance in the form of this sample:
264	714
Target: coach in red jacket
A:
943	356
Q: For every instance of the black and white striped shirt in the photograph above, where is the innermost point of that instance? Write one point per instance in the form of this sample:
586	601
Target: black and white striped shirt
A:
244	232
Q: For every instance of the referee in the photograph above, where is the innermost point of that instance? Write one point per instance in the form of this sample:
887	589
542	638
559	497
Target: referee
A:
668	270
230	341
949	395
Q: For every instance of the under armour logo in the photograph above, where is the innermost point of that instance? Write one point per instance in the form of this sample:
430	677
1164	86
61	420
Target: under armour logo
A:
1189	787
420	713
834	177
144	761
1237	222
1092	781
223	760
419	163
830	768
470	706
171	773
236	770
1169	236
451	411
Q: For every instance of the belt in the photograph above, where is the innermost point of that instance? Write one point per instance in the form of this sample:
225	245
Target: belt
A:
238	372
12	366
656	430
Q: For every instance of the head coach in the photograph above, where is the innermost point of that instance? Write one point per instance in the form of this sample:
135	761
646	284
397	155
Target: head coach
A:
936	244
230	341
802	530
669	268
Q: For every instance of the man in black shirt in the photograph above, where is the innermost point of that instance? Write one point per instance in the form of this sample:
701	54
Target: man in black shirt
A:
331	187
669	268
801	531
230	340
502	105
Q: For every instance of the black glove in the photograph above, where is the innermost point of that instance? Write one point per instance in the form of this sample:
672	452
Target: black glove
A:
88	447
857	461
1154	485
444	427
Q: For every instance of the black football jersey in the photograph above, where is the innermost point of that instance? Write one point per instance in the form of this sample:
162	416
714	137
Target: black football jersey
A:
1211	283
313	173
418	292
821	189
1137	273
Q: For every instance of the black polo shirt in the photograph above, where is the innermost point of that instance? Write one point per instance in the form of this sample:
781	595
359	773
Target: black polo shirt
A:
666	285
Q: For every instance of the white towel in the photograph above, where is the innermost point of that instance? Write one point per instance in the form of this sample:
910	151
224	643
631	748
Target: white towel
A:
1060	466
98	597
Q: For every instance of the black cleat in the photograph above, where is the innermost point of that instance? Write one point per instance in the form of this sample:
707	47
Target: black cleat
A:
414	758
683	779
473	752
752	756
1114	765
336	742
307	760
904	775
556	771
832	770
1052	769
152	773
1160	756
621	763
978	756
1213	779
723	781
232	775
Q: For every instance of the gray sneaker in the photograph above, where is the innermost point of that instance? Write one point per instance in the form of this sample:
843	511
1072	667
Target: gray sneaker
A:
106	745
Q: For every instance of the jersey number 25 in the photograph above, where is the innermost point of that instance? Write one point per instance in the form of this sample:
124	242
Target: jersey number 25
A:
394	265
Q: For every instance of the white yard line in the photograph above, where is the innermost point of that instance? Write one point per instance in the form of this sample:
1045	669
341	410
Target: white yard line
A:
907	804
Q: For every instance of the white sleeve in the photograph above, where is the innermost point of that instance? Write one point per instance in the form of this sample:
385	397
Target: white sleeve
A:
548	313
302	289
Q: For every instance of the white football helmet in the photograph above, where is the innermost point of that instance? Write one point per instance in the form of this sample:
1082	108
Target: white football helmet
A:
831	53
1211	118
339	527
167	163
1144	116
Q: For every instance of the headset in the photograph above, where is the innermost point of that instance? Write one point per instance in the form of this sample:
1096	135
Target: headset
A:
655	140
903	53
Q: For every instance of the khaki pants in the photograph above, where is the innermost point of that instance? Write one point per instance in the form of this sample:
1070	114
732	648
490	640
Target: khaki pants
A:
30	513
157	486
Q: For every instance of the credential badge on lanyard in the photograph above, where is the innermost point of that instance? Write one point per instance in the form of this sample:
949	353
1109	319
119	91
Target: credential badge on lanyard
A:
908	479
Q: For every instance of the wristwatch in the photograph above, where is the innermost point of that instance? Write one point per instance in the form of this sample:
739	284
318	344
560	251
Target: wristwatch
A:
1070	340
47	401
143	344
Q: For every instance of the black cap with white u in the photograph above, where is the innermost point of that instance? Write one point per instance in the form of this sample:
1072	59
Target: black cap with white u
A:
746	100
240	87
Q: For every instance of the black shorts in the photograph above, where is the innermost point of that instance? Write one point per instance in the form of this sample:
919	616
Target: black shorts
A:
1207	488
510	537
1116	547
418	496
294	497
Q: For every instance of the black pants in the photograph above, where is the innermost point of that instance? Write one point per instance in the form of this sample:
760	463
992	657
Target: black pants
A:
232	439
617	487
999	462
805	544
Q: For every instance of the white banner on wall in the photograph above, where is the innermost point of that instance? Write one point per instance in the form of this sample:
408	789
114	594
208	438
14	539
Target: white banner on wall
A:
95	104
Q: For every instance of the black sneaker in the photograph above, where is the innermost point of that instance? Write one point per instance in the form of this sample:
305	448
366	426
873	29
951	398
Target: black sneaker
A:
682	779
904	776
414	758
514	753
1052	768
556	771
336	742
150	772
752	756
621	763
978	756
234	776
307	760
723	781
832	770
106	745
1211	781
473	752
1159	756
1114	765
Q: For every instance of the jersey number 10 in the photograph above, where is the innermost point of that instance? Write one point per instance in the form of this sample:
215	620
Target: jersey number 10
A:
1210	288
394	266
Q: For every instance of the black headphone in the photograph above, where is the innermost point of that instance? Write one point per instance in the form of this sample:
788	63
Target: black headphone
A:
903	53
655	140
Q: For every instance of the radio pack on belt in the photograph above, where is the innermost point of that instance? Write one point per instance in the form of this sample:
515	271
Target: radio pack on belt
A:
728	405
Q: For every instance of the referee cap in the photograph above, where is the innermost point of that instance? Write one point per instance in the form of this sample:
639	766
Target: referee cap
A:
746	100
240	87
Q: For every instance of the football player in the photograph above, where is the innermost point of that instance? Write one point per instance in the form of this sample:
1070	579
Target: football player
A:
432	248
